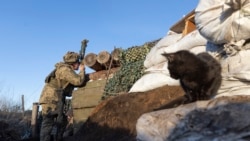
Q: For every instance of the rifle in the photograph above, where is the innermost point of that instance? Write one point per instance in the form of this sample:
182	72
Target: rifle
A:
83	48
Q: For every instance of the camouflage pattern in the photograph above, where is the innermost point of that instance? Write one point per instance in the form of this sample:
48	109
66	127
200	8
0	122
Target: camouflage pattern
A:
68	81
52	99
48	121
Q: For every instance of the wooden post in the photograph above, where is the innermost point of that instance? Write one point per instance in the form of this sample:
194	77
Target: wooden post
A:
34	126
23	110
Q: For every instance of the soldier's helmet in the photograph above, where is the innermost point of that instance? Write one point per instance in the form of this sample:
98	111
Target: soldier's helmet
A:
71	57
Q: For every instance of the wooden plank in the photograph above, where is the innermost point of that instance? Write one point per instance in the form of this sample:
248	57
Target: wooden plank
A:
80	116
189	26
89	95
179	26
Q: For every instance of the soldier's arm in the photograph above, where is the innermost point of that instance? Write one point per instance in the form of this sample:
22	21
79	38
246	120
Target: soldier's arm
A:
72	77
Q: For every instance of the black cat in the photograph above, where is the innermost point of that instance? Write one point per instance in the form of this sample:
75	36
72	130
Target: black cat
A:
200	75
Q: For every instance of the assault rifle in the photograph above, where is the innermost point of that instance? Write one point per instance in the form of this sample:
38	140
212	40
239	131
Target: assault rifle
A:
83	48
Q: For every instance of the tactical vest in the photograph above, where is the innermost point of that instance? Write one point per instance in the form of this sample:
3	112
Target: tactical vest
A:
55	82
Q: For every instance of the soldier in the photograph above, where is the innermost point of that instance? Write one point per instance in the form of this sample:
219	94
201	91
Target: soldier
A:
59	84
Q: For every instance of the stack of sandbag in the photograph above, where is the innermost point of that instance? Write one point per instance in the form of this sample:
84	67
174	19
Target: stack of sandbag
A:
225	24
223	21
156	73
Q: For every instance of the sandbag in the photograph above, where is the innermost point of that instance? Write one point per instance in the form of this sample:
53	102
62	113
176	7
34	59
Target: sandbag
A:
198	49
154	57
235	74
234	59
187	42
223	21
191	40
224	118
154	77
158	75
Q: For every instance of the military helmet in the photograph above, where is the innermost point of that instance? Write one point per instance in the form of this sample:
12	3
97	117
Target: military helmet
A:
71	57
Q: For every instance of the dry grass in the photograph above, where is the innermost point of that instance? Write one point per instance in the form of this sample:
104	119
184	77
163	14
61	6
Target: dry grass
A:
14	125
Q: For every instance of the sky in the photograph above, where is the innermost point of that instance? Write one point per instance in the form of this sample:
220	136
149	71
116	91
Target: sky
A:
35	34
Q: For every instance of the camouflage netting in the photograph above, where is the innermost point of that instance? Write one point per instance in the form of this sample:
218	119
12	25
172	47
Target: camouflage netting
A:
131	70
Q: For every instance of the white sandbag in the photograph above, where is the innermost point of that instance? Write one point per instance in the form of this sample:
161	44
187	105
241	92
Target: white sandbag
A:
191	40
154	57
168	40
161	68
153	80
238	63
235	68
158	75
198	49
155	53
223	21
236	74
156	126
232	87
201	120
187	42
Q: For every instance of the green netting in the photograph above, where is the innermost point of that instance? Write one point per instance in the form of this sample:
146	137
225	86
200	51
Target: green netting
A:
131	70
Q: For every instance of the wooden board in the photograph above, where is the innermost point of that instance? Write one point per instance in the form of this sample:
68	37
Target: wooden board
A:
185	25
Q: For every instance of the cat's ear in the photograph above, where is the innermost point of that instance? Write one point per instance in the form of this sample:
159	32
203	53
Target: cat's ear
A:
169	56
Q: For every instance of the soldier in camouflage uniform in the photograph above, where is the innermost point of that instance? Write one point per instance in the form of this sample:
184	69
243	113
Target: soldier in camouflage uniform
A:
59	84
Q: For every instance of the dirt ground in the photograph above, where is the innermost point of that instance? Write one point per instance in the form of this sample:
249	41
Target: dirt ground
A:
115	119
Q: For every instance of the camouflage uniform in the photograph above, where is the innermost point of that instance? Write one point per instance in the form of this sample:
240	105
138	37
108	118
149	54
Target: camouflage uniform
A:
59	84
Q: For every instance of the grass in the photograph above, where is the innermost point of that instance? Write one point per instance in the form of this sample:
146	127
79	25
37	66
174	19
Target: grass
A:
14	124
